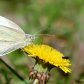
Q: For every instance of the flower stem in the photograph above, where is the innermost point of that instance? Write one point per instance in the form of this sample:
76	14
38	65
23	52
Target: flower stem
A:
14	72
35	81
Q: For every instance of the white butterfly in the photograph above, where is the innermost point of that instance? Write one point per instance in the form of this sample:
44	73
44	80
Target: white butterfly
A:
12	37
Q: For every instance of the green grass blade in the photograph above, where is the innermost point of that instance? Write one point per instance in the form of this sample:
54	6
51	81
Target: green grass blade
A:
13	71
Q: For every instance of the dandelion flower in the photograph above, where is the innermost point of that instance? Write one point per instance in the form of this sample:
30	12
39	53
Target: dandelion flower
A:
46	57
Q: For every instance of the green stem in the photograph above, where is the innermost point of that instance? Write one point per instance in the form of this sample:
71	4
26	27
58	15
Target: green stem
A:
12	70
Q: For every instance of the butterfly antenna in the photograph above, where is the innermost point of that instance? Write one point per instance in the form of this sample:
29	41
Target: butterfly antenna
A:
45	34
41	30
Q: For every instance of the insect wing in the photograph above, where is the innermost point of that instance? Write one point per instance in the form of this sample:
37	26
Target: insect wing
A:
7	23
11	36
8	34
10	40
9	47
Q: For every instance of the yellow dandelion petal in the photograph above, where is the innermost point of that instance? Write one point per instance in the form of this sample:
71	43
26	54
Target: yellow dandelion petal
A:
48	54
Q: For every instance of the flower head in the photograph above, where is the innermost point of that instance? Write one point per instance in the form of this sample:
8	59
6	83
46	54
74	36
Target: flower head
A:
48	55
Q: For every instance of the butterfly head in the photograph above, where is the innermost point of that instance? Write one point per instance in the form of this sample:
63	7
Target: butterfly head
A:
30	37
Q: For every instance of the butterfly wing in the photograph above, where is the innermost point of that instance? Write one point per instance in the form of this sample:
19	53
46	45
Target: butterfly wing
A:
11	36
8	34
7	23
9	47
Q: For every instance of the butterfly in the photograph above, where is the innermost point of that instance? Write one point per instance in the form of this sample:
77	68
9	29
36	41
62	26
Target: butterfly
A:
12	37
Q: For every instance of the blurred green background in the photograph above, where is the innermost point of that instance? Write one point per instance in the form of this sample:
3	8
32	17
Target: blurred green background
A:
66	18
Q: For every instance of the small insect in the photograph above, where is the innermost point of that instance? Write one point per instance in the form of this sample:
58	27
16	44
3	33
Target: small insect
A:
12	37
66	57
